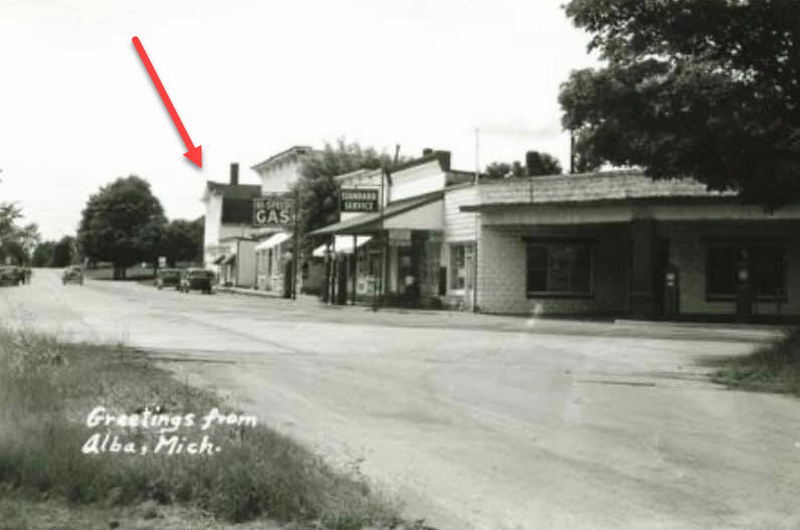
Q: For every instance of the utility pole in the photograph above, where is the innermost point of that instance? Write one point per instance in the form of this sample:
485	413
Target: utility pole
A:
477	222
386	175
571	152
296	246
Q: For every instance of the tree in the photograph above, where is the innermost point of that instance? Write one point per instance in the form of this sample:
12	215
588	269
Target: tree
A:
535	164
541	164
183	240
318	192
498	170
13	250
9	214
122	223
63	252
43	254
16	242
705	89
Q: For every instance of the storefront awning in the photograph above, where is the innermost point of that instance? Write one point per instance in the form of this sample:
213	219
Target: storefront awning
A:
273	241
229	260
343	244
374	222
219	259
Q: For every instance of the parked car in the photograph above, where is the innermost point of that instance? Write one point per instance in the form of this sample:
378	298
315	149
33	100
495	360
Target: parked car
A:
73	274
11	275
196	279
168	278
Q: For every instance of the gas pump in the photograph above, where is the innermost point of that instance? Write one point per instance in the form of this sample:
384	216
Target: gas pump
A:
288	271
671	291
744	289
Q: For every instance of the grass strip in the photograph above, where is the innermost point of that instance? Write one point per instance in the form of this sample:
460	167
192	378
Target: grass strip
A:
48	389
772	368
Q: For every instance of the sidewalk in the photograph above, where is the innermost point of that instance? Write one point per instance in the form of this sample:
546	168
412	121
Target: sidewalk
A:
309	307
247	292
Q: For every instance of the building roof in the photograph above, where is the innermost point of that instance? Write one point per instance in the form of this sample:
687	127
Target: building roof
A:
238	191
589	187
370	222
358	173
442	156
288	153
237	201
456	177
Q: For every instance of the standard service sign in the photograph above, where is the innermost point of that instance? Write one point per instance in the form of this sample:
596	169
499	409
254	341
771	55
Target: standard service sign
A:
274	211
353	200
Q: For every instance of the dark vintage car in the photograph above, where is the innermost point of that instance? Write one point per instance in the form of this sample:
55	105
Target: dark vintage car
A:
196	279
11	275
168	278
73	274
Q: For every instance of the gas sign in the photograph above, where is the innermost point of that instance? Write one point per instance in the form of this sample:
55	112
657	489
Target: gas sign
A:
274	211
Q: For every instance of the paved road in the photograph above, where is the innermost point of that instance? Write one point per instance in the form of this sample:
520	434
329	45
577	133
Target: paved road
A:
475	421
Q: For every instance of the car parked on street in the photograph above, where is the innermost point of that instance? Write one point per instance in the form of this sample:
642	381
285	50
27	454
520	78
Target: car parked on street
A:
72	274
11	275
168	278
197	280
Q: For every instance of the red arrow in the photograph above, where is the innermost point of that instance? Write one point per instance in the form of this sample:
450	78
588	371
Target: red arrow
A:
195	154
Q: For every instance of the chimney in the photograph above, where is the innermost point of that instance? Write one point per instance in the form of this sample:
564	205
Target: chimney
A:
427	151
234	174
444	159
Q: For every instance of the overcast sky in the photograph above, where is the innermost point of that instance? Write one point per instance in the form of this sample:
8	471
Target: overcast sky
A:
251	78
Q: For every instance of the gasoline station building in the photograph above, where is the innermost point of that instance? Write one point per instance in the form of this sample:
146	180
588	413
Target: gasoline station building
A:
606	244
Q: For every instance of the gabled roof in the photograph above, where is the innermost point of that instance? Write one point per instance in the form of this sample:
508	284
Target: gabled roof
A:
442	156
358	173
589	187
370	222
297	150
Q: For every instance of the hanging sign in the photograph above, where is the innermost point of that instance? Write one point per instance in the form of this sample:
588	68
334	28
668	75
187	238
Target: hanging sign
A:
358	200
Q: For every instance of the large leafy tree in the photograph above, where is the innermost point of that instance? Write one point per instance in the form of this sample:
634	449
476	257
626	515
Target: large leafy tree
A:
16	242
183	240
318	192
122	223
709	89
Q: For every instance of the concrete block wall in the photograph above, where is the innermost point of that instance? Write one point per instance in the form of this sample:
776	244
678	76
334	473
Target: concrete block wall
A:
688	250
502	272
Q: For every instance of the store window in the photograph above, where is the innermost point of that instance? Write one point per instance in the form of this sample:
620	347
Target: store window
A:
559	269
458	267
765	266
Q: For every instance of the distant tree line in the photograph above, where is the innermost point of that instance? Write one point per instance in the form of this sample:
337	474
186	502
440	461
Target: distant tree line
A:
123	224
56	253
536	164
